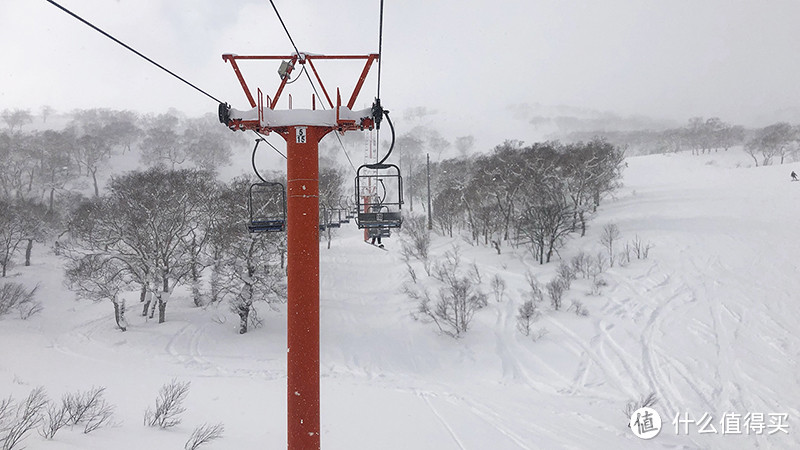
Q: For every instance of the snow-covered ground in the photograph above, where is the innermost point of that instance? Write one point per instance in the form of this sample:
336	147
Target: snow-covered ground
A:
707	322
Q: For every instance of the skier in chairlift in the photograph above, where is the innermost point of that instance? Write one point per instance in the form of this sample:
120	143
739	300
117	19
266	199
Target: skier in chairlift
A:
376	207
378	237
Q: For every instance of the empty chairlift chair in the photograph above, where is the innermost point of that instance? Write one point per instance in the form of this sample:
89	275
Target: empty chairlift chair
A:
332	218
266	203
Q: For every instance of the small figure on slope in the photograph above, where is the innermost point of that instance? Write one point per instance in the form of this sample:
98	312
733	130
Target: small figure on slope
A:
794	176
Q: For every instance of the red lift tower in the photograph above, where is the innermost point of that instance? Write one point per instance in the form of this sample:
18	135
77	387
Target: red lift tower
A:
302	130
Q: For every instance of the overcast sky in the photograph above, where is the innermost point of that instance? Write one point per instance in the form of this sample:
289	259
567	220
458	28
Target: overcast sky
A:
466	60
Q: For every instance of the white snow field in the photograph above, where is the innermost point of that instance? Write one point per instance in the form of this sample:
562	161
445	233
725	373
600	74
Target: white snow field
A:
707	322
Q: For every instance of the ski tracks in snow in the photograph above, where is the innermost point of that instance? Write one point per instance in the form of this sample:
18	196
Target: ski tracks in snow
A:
184	346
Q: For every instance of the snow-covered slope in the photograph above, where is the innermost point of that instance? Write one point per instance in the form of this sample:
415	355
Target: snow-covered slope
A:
707	322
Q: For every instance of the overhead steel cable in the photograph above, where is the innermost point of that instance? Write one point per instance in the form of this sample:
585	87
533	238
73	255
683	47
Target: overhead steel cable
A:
297	52
89	24
380	48
378	94
313	86
284	27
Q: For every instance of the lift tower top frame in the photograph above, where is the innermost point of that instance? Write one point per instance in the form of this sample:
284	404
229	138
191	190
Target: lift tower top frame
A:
302	130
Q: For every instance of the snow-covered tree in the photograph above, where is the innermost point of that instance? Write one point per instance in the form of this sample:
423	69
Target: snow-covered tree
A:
247	267
148	222
20	221
99	277
16	118
162	144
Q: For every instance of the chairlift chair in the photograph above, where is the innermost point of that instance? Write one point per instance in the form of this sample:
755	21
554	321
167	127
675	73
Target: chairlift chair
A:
326	219
379	196
266	203
343	216
334	218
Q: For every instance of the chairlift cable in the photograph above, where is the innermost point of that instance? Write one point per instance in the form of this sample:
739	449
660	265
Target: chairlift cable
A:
380	45
378	96
308	76
284	27
297	52
269	143
132	50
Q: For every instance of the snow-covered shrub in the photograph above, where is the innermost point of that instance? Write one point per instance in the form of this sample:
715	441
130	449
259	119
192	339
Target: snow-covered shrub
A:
535	293
475	273
416	238
608	239
16	421
566	273
527	314
169	405
498	287
598	283
457	299
644	402
555	290
599	265
54	418
204	434
88	408
640	248
578	308
16	297
582	263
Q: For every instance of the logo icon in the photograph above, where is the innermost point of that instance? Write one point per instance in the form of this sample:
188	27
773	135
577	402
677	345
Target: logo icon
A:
645	423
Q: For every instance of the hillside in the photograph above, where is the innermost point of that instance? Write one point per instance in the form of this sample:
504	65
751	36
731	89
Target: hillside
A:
707	322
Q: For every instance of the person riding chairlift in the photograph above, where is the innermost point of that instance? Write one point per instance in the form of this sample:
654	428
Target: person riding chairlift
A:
376	207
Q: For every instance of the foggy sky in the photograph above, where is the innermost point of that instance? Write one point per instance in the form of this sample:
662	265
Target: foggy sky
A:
465	60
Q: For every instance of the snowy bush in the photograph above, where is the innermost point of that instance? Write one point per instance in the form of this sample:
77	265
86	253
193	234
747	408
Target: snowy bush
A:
640	248
15	296
457	299
169	405
535	291
16	421
598	283
578	308
608	239
527	314
555	290
566	273
54	418
204	434
644	402
88	408
416	238
411	272
498	287
599	265
582	263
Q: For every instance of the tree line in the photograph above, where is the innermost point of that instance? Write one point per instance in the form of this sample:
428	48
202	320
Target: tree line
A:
778	142
534	195
157	229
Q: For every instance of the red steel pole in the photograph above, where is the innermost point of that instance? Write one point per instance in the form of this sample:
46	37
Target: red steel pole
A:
302	167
